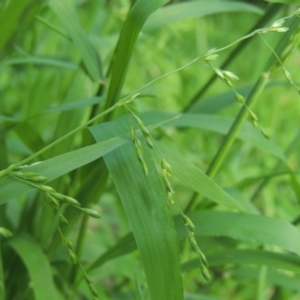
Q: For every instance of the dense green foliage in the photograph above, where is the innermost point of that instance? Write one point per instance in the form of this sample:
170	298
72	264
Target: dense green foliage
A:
101	102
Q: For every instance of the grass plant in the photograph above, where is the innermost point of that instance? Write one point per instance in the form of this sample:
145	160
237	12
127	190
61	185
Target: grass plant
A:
149	150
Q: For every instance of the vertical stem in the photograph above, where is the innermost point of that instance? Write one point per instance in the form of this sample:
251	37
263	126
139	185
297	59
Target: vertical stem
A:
236	126
78	248
231	135
270	12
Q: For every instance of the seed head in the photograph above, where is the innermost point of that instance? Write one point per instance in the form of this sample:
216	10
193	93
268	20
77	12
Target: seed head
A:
228	82
91	212
73	256
189	224
205	272
148	141
287	75
170	199
46	188
278	23
280	29
210	57
65	199
139	152
230	75
167	183
252	115
219	72
194	244
240	98
63	220
53	201
145	168
265	134
38	179
132	133
166	167
93	290
254	123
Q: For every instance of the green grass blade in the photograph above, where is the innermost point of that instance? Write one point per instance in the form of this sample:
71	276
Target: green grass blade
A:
40	61
75	104
88	53
15	13
195	9
144	200
124	246
193	177
245	227
184	170
252	257
59	165
132	26
274	277
217	124
2	285
38	266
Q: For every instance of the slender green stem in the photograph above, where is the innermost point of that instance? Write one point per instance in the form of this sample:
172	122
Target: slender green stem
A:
231	135
273	9
264	182
79	246
261	282
236	126
79	128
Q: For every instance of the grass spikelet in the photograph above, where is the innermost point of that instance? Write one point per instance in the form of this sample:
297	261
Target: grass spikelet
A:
189	224
46	188
193	243
166	167
63	220
170	199
145	168
205	272
265	134
73	256
278	23
93	290
287	75
253	115
210	57
167	183
53	201
230	75
132	134
240	98
90	212
219	72
254	123
280	29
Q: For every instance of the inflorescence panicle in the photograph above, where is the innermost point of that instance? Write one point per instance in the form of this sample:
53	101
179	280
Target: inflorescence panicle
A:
55	201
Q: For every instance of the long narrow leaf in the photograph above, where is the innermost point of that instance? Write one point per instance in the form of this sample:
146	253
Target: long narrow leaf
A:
57	166
37	265
200	8
252	257
144	200
88	53
133	24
